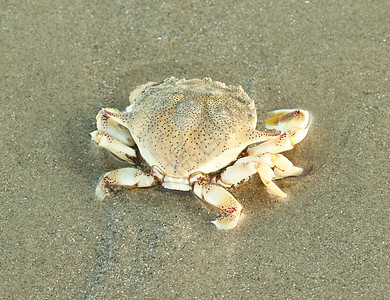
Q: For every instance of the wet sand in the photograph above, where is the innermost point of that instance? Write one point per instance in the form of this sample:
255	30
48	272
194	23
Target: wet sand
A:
61	63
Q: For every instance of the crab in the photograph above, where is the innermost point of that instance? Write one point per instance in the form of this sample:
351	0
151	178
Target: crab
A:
197	135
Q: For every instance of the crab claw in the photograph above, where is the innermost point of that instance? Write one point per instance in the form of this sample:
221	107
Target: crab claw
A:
285	120
223	200
116	147
127	177
113	123
113	135
293	125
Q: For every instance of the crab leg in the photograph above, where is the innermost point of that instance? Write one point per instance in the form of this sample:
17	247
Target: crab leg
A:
268	166
223	200
284	167
128	177
266	175
113	135
293	123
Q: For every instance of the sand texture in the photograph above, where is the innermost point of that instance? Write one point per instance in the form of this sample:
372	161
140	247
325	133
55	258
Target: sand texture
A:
60	62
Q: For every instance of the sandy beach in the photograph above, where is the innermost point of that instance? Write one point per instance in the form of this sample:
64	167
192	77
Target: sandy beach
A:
60	63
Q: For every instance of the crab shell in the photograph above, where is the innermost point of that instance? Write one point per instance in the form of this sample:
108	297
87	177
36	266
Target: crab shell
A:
184	127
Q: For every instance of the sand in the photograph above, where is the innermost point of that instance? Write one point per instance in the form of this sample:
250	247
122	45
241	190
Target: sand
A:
60	63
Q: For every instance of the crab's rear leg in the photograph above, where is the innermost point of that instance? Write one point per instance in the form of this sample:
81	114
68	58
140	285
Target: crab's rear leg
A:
268	166
113	135
293	125
223	200
127	177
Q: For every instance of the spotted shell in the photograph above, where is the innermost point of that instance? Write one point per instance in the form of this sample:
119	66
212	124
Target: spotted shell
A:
185	126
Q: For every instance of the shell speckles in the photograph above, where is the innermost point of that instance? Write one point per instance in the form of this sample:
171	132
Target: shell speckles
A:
182	123
187	129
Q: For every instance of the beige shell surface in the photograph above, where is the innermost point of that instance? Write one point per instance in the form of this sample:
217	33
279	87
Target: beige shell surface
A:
186	126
